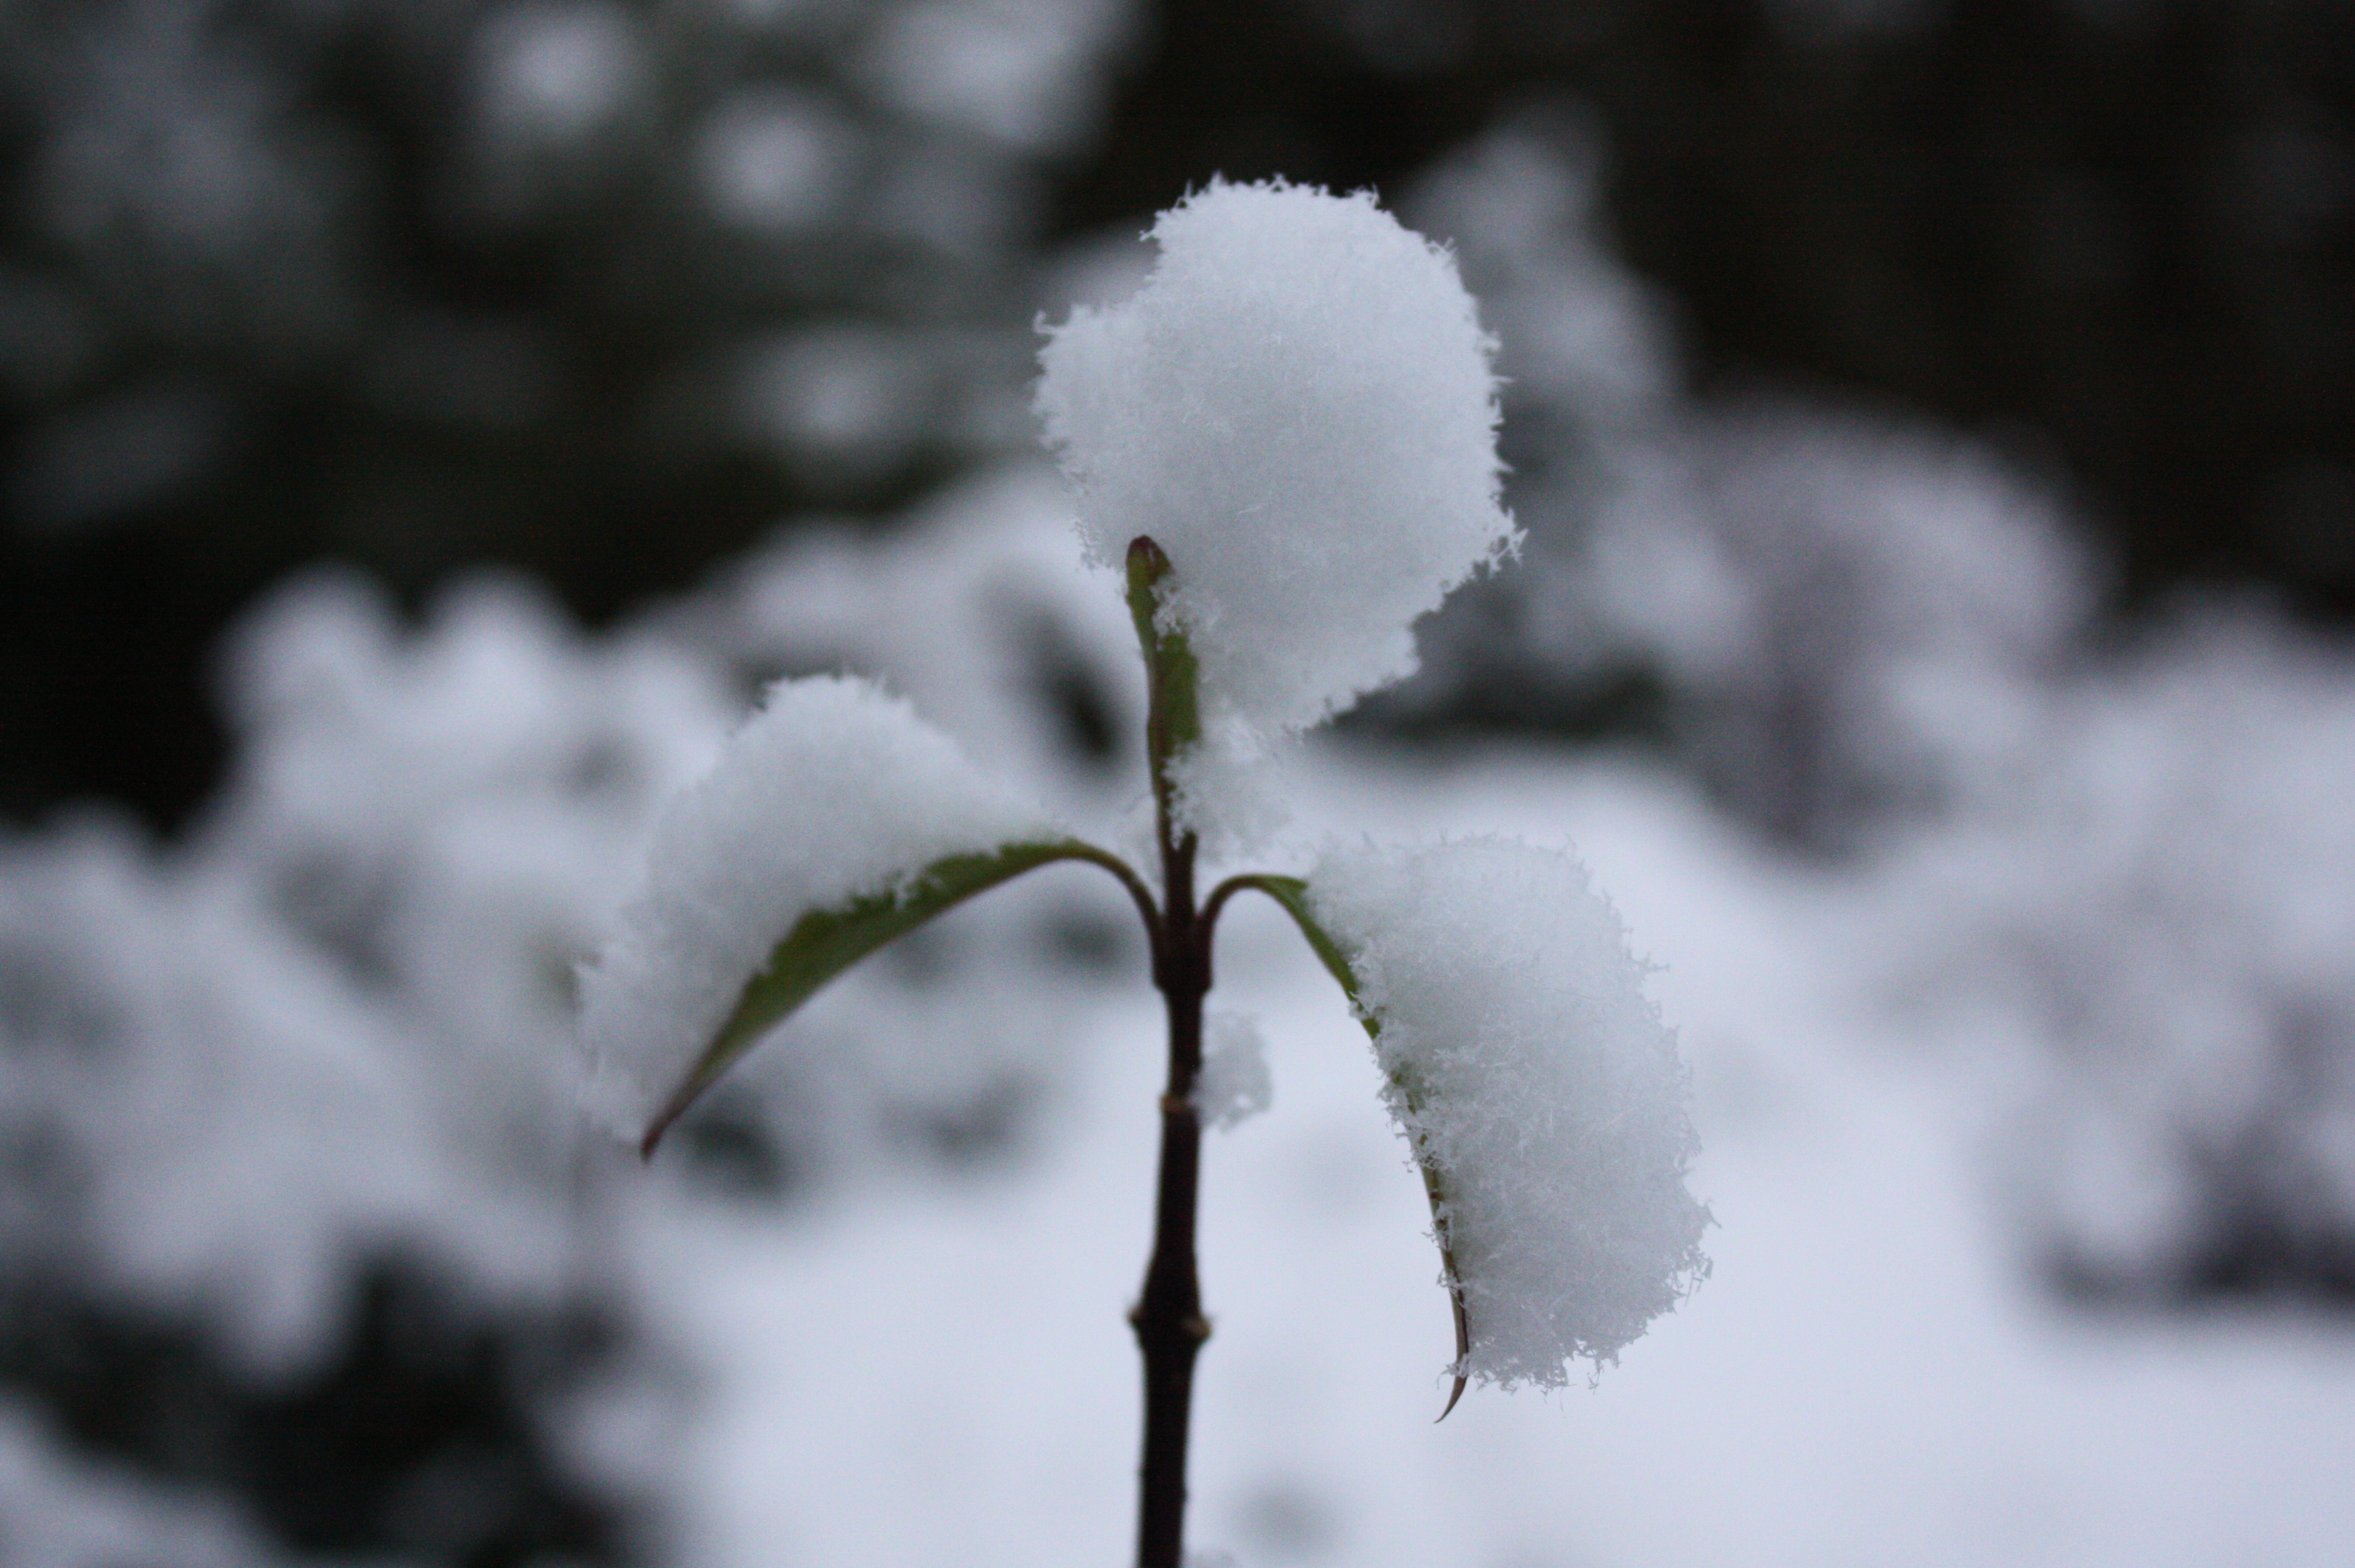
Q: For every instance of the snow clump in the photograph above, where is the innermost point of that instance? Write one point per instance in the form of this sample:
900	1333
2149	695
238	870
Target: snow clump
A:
1234	1084
1527	1067
1297	406
834	791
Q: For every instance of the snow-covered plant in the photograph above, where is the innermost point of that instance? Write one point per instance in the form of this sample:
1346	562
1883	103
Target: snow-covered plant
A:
1287	441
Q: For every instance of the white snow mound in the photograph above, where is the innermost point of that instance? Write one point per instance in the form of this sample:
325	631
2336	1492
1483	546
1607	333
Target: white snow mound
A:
833	790
1526	1065
1298	407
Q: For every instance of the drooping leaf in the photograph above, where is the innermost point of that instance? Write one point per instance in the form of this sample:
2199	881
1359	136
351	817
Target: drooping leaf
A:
1292	894
823	943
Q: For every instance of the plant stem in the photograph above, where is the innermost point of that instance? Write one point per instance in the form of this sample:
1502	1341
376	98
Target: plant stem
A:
1169	1319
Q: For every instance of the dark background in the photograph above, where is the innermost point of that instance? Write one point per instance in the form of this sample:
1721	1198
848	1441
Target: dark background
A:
2114	236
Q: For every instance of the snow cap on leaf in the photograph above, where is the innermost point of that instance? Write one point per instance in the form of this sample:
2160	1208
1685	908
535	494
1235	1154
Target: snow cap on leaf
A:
1297	406
834	791
1526	1067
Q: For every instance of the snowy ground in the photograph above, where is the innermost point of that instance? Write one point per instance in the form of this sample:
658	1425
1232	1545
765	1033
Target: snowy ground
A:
1868	1377
335	1017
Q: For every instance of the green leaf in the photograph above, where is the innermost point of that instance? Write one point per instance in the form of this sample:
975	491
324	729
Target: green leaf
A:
1292	893
1173	711
825	942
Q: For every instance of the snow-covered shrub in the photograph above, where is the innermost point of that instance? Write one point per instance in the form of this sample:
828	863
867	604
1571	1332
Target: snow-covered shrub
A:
1589	377
224	1157
1856	620
1839	620
229	1120
442	812
58	1510
2163	911
1287	441
289	1096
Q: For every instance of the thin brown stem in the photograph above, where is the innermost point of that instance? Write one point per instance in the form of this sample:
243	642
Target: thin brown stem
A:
1170	1328
1137	892
1169	1319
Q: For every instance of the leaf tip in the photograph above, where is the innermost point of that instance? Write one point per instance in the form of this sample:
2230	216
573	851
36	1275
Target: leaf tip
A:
665	1118
1463	1336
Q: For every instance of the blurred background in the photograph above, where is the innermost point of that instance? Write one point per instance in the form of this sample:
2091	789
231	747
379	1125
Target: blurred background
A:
428	422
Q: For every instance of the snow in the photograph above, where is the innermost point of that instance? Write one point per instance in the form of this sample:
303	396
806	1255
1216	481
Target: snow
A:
128	979
253	1045
1234	1084
1867	1377
1859	617
1524	1063
975	605
59	1512
2177	925
1297	406
833	790
1843	615
337	1023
